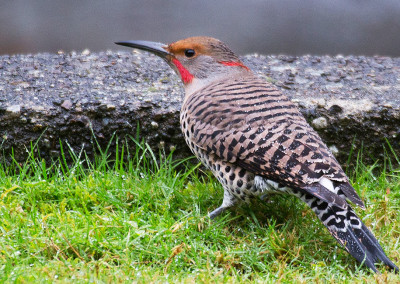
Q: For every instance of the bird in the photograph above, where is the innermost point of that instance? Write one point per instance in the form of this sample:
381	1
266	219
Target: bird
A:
256	142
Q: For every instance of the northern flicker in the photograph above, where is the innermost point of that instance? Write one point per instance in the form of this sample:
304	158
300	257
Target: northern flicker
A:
256	142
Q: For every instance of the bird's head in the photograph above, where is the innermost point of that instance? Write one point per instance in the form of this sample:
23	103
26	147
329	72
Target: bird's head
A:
197	60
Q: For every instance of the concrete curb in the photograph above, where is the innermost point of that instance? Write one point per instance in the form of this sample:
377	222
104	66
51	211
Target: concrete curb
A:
64	97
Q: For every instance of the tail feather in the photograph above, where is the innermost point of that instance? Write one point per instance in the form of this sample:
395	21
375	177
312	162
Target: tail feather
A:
349	192
373	246
348	230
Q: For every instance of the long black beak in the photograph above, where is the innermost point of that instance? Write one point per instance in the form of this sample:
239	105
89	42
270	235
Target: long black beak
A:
153	47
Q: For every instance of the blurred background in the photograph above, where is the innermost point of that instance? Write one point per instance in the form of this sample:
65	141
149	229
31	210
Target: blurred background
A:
296	27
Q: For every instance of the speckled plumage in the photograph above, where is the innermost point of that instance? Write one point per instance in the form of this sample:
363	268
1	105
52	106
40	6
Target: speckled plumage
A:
255	141
247	123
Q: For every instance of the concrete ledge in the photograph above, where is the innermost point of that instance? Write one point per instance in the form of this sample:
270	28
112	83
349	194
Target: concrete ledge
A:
63	96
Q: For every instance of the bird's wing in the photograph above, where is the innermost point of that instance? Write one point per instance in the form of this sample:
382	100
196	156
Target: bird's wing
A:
249	122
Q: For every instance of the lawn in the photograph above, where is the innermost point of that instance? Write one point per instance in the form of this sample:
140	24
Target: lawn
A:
141	216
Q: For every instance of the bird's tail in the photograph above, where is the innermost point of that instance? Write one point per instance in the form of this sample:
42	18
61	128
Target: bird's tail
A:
349	231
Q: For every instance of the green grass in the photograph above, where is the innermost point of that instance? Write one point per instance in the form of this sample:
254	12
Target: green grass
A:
135	219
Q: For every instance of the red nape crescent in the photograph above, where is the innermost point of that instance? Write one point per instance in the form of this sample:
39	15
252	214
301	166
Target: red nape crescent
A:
234	63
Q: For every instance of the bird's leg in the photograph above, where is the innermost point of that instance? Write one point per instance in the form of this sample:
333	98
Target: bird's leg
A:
266	197
229	201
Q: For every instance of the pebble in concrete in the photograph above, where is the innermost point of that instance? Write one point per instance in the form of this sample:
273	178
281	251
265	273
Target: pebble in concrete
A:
14	110
320	123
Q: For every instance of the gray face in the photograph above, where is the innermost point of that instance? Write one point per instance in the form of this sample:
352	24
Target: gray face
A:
202	66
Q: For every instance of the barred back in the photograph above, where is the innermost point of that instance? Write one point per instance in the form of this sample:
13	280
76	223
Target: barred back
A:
247	121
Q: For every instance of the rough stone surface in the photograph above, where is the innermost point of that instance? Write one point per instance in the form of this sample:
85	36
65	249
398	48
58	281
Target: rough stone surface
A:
70	97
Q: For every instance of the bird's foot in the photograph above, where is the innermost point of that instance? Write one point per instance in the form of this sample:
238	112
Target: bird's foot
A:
216	212
266	198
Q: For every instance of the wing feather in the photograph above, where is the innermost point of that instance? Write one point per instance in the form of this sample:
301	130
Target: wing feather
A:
256	126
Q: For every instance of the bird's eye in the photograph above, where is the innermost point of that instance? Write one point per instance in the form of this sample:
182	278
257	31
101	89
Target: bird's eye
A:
189	52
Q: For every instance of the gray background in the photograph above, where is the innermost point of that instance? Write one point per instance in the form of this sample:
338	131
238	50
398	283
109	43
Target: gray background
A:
270	27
